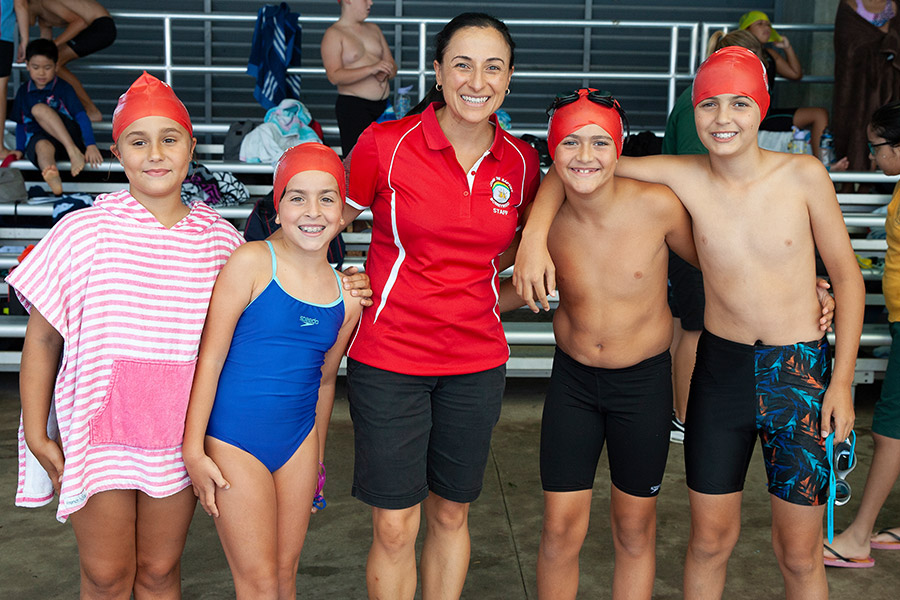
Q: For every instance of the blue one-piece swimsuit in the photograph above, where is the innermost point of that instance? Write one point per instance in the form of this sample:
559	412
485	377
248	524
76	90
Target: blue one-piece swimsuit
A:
266	399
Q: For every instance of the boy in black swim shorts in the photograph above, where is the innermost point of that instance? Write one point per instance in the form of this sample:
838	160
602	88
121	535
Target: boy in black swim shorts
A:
612	373
87	28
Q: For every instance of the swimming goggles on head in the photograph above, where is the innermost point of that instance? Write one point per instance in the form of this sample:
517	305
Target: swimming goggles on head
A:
841	461
597	97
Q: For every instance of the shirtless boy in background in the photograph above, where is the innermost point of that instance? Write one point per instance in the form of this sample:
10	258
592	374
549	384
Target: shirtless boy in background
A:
762	366
87	28
612	377
358	61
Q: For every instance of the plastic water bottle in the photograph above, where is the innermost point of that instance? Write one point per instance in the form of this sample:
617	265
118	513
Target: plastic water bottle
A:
403	101
797	145
826	149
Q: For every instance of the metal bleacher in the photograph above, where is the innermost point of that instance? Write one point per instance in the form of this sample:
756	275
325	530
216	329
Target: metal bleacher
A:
530	337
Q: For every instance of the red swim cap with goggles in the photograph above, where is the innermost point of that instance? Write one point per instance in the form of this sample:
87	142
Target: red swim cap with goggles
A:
311	156
586	106
732	70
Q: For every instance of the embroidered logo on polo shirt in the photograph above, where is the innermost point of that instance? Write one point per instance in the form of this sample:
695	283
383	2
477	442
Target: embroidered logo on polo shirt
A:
308	321
501	192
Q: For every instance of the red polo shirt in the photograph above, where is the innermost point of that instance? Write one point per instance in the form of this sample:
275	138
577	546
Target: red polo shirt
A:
437	234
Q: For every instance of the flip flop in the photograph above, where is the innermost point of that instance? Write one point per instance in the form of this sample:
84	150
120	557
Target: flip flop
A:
895	545
847	563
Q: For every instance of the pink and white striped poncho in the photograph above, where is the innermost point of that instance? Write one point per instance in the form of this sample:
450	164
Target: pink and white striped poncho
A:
129	298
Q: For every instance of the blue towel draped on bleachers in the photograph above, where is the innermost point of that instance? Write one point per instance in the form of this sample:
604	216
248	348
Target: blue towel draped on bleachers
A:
275	47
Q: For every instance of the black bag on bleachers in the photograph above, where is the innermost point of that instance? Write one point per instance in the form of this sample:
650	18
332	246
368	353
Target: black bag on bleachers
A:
261	224
235	136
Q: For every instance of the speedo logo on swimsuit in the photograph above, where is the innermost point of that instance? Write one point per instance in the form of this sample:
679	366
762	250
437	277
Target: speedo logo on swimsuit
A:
654	489
307	321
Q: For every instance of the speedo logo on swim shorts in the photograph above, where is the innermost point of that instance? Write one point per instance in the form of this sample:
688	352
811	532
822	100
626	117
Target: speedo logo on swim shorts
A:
501	191
307	321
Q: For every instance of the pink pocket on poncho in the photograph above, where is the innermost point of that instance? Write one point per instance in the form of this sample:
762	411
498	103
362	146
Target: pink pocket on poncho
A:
145	404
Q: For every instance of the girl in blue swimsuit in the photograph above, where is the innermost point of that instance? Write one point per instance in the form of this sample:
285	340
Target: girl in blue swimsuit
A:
277	327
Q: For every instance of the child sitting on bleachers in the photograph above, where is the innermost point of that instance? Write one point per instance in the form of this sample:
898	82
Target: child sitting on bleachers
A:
50	119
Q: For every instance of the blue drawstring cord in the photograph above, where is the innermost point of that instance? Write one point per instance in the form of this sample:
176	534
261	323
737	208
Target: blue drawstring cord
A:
832	483
832	478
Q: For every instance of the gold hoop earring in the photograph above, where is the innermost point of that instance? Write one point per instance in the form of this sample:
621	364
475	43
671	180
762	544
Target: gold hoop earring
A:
439	87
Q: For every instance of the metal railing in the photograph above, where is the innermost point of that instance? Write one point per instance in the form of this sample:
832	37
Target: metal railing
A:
671	72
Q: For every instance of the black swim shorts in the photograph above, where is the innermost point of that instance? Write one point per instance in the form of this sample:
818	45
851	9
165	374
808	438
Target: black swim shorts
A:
95	37
629	408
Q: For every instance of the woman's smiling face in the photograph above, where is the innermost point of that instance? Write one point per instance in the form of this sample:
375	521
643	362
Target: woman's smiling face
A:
475	73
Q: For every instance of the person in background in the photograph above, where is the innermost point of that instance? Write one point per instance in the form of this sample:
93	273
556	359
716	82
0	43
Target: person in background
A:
49	118
866	72
780	59
851	547
358	61
87	28
8	8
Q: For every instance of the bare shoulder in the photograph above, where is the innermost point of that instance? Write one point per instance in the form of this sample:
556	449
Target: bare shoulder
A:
352	307
653	198
793	171
373	29
656	192
333	34
250	256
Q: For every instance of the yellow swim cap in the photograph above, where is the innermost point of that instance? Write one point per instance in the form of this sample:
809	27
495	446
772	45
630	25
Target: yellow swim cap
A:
752	17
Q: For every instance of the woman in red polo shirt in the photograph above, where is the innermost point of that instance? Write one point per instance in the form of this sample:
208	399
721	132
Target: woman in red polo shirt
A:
426	370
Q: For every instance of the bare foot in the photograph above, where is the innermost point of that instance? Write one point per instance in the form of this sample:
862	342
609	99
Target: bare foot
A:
77	160
839	165
51	176
94	114
886	538
848	547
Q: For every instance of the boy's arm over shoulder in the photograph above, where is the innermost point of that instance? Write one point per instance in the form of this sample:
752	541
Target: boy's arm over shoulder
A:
833	244
669	170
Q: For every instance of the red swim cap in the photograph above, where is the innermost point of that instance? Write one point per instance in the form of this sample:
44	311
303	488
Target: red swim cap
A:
149	97
732	70
311	156
583	111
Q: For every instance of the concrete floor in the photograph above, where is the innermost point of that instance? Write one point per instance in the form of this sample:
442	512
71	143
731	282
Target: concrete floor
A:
38	556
